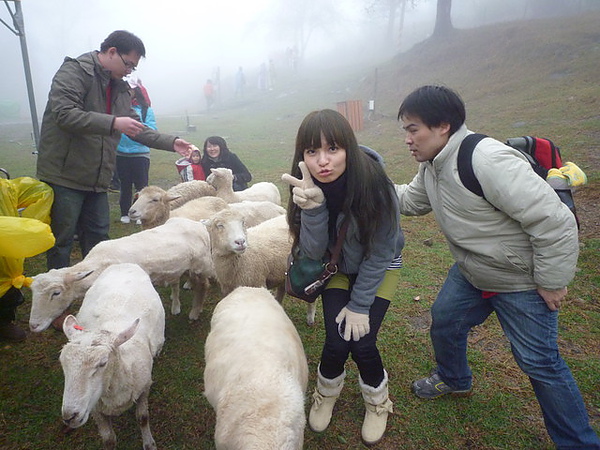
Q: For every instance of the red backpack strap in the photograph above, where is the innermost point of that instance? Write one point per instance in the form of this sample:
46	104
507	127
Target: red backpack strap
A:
546	153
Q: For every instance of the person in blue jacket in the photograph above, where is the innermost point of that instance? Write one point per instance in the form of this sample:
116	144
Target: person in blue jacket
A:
133	158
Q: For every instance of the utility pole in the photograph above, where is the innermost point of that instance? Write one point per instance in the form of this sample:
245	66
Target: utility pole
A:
19	30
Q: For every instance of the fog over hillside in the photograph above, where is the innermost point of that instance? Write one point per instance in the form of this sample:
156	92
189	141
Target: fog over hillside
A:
187	41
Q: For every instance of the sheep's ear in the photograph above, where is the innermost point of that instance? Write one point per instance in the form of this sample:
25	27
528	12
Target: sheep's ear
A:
127	333
172	197
78	276
71	327
206	222
213	170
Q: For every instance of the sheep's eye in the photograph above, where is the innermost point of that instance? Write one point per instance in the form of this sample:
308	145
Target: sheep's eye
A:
101	364
220	226
54	294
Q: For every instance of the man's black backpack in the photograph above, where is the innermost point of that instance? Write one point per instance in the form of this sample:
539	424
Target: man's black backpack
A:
541	153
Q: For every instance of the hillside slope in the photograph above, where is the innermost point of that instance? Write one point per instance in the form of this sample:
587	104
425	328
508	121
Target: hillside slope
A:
541	75
528	77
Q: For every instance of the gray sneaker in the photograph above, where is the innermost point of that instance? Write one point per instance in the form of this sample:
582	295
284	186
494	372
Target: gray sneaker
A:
433	387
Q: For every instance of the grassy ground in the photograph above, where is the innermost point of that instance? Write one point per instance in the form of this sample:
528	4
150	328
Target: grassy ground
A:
521	78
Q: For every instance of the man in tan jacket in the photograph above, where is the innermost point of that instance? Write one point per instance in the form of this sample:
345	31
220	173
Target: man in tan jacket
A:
515	249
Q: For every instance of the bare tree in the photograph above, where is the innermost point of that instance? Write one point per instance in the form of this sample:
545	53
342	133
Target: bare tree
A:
296	21
443	20
393	11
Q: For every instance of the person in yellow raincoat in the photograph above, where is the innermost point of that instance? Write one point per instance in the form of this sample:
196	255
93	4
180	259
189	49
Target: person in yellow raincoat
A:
24	232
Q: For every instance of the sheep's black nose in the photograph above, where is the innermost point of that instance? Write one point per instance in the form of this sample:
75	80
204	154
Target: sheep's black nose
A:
70	419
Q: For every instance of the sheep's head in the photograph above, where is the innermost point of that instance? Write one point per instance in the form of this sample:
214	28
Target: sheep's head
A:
52	293
227	230
149	202
220	177
87	361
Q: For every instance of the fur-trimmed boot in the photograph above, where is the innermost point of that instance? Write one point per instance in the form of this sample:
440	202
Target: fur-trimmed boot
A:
324	398
378	406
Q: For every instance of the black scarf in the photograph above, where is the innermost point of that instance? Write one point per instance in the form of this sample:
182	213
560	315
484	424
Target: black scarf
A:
335	196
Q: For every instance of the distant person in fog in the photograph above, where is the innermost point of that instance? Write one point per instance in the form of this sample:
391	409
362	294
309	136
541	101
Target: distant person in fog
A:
209	94
240	83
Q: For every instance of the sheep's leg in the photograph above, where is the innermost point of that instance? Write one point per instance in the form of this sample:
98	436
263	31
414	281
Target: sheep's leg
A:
105	428
280	293
187	283
143	419
310	313
200	286
175	303
310	310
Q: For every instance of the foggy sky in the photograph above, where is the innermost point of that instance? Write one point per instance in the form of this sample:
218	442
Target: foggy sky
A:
186	40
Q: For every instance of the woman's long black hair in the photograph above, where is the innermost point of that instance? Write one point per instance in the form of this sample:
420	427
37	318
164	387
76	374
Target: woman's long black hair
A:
370	195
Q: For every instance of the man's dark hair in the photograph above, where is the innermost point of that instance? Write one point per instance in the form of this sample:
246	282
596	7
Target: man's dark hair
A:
435	105
124	42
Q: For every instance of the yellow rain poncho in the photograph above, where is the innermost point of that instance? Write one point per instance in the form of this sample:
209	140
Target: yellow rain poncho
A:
24	227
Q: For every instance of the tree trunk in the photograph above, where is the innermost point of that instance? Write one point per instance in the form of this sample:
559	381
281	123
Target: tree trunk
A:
391	13
401	23
443	20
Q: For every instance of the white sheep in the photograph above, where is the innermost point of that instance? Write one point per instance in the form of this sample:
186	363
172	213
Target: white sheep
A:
153	207
255	256
165	253
256	373
256	212
107	361
189	190
222	180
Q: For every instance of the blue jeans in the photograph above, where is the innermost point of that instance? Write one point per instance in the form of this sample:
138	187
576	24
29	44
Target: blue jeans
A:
82	212
532	330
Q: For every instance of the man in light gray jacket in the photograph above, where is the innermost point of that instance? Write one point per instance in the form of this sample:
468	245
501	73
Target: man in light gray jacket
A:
515	252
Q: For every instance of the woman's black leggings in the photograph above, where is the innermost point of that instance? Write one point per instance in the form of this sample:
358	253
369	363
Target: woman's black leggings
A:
364	351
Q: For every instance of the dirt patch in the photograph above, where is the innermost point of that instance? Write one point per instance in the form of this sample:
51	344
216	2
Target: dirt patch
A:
422	322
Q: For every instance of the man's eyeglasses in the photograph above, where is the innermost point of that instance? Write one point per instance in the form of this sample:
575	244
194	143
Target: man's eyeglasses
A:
128	64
